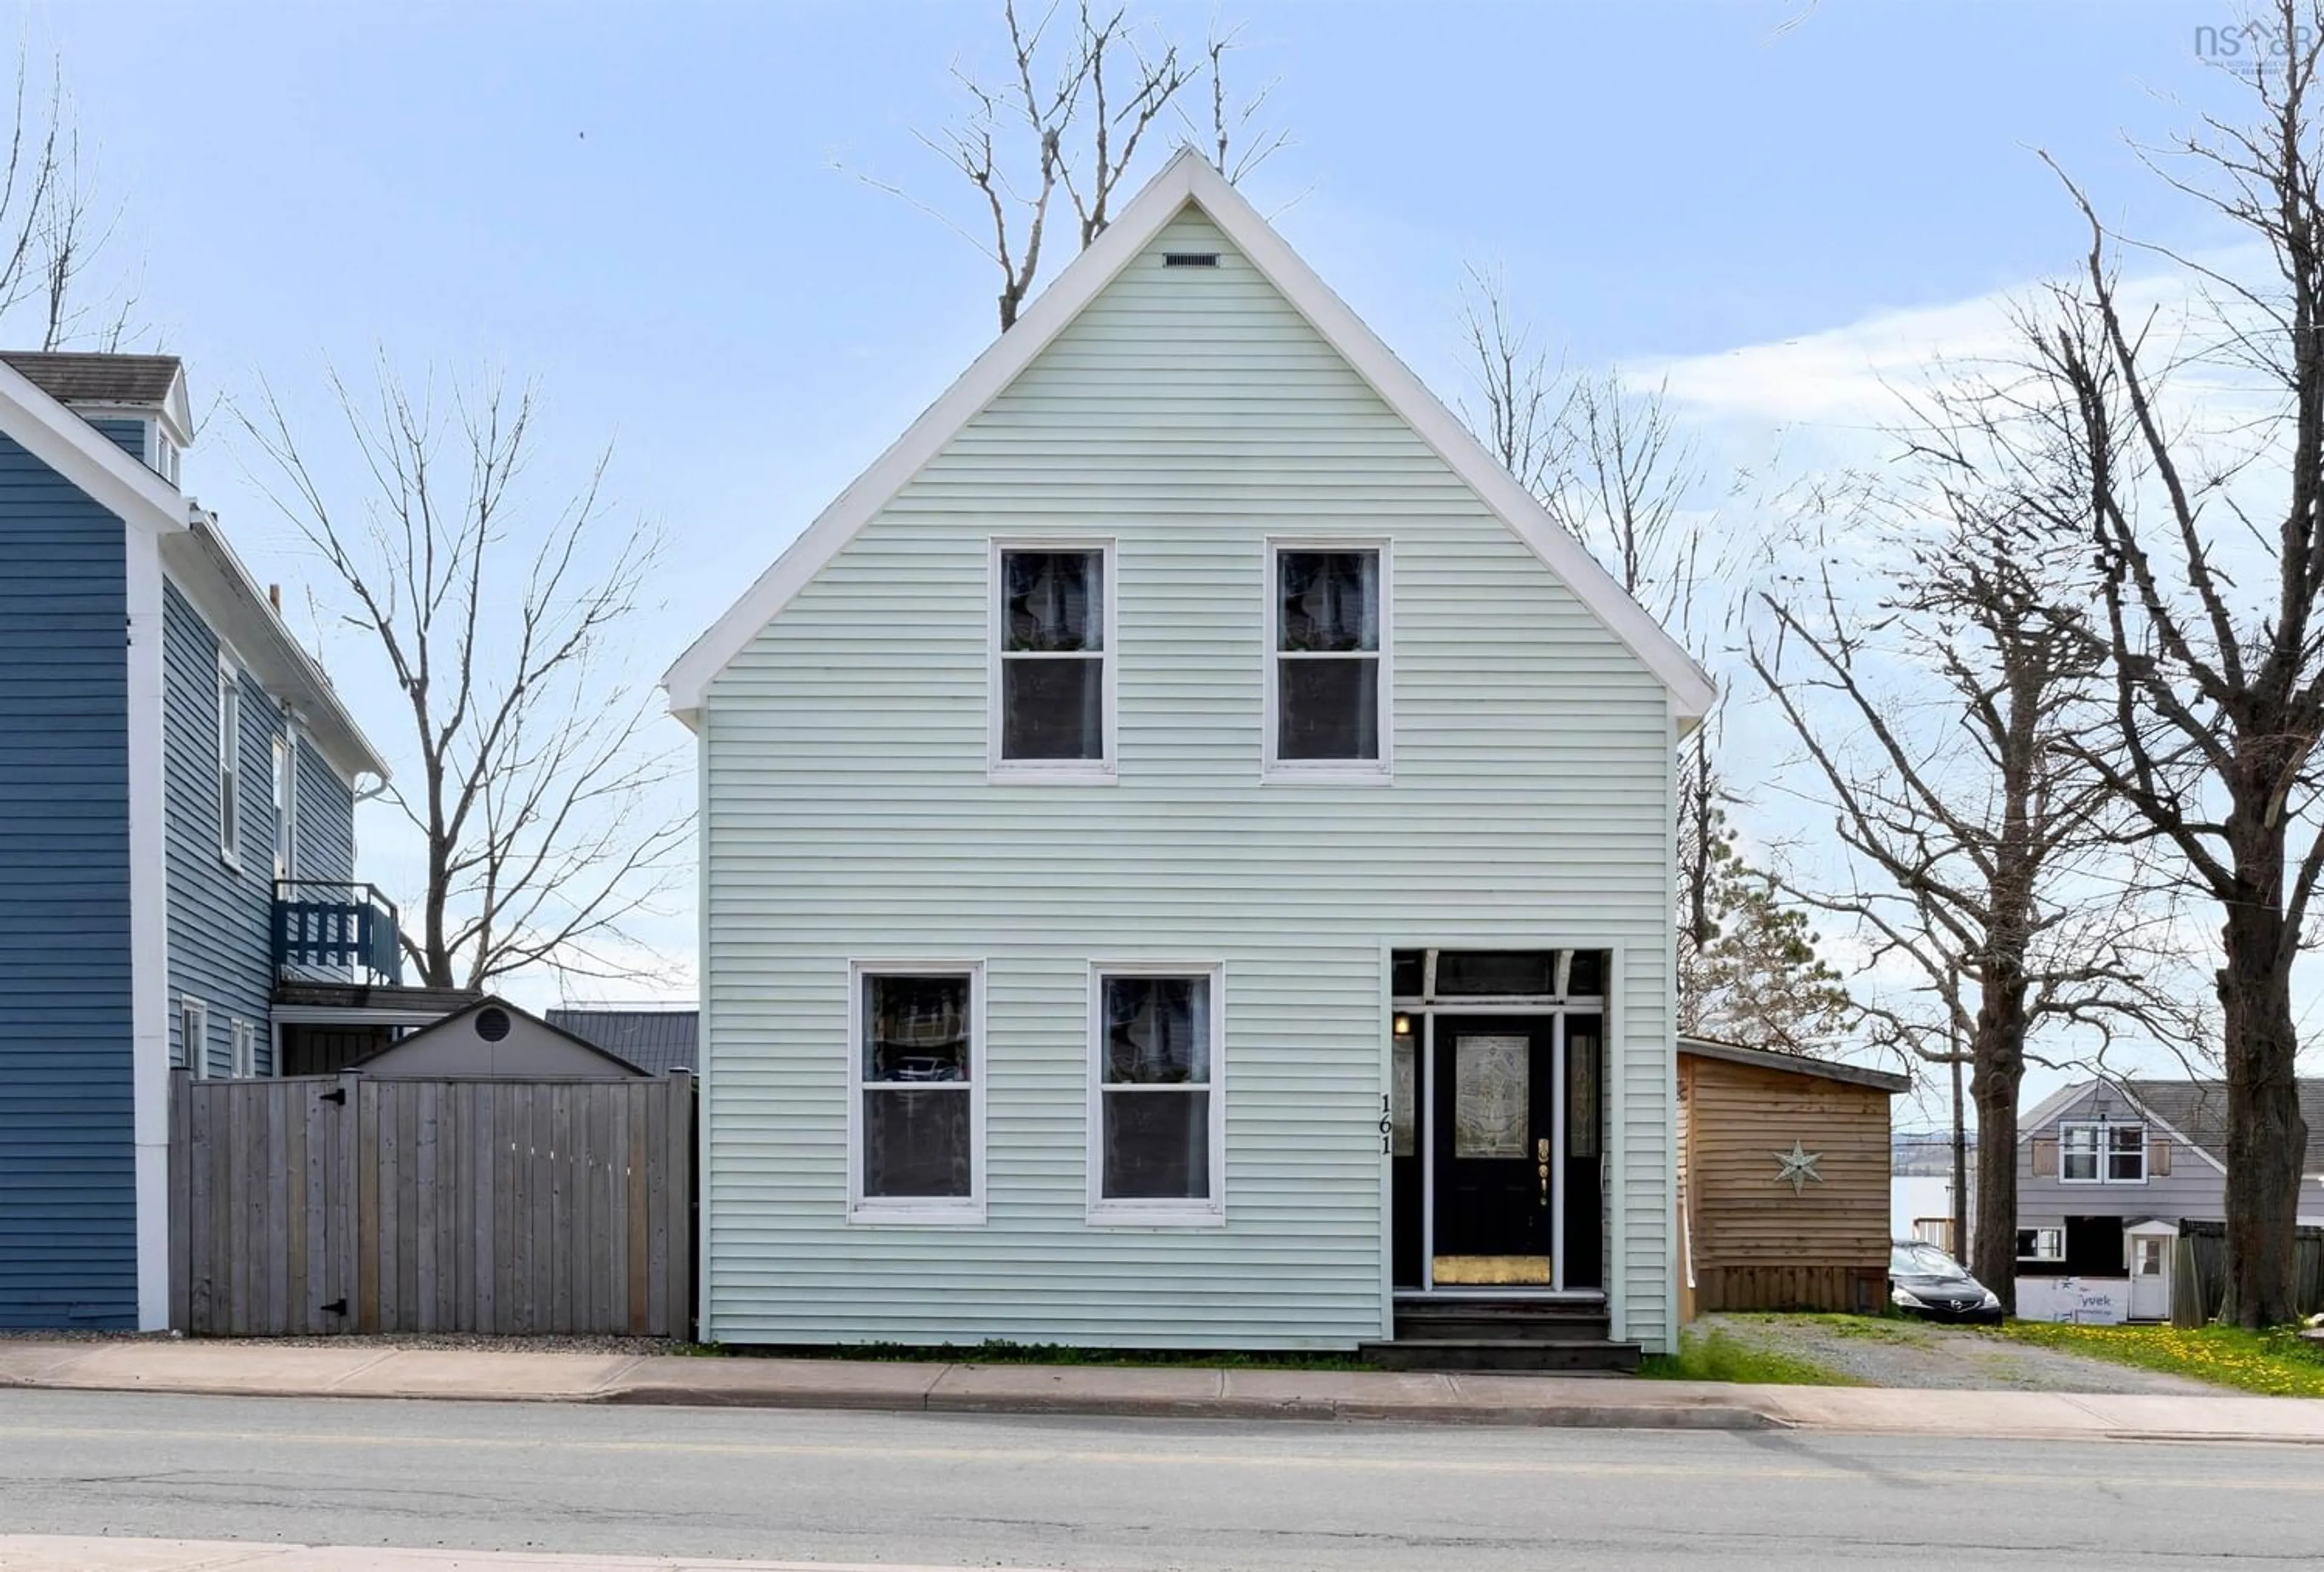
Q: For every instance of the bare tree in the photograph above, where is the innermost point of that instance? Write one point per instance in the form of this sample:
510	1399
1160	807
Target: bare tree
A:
1078	99
1937	722
1517	396
1611	466
499	616
2203	519
53	233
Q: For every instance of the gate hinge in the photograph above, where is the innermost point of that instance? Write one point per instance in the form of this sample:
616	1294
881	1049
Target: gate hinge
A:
337	1306
339	1097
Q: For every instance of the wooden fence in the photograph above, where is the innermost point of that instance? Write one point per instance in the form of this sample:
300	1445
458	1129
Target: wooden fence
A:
347	1204
2199	1272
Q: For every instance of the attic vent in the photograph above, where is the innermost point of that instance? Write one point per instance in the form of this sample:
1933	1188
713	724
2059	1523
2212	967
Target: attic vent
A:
492	1025
1190	258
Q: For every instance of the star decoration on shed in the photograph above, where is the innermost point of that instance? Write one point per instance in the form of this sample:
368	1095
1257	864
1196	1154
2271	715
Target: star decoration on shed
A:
1797	1167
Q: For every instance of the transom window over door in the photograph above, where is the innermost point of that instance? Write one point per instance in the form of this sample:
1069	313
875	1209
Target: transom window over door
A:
916	1148
1053	680
1328	679
1157	1115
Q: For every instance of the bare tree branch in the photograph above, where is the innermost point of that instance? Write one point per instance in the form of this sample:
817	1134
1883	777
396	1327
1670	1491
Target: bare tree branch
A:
533	784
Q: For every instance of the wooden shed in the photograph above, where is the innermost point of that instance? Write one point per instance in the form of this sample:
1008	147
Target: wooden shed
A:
1782	1180
492	1040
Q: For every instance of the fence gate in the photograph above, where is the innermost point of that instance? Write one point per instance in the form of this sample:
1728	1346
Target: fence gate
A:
345	1204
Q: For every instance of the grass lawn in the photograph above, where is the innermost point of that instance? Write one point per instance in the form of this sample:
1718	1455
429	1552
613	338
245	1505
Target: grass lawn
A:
2274	1362
1720	1355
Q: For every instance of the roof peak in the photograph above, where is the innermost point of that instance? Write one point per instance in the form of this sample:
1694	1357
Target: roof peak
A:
1187	178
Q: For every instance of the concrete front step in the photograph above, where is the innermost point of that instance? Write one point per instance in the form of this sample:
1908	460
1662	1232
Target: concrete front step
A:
1518	1321
1570	1354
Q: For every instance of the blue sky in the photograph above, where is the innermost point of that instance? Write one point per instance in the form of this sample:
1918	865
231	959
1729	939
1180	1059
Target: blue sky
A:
638	205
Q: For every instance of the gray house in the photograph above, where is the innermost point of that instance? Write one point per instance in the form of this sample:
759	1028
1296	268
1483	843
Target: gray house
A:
177	826
2106	1172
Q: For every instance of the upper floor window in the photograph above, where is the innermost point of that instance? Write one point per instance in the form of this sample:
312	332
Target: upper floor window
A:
917	1147
1053	680
1328	678
286	806
230	762
2102	1154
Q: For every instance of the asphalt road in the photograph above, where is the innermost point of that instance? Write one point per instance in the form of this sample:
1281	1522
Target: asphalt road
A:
1109	1493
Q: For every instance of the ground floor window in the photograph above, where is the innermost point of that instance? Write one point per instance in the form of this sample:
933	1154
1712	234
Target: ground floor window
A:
2041	1244
194	1035
916	1148
1158	1108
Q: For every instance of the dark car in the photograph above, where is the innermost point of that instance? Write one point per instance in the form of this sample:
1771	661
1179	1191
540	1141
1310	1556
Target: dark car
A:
1925	1282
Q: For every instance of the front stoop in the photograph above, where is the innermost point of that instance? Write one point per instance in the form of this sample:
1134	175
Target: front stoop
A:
1514	1334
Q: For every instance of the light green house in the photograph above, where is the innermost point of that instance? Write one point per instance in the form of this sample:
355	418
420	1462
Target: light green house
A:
1188	857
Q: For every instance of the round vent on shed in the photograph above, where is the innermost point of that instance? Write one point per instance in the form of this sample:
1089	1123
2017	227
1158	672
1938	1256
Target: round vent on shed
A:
492	1025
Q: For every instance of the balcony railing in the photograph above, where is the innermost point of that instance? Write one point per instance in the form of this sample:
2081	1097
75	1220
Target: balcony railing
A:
324	927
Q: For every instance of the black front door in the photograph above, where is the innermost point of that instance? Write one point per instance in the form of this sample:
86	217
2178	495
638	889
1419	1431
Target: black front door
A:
1492	1102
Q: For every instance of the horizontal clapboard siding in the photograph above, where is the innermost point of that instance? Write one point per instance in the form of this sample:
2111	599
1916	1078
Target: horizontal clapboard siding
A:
126	432
1188	416
325	811
1738	1117
221	951
67	1202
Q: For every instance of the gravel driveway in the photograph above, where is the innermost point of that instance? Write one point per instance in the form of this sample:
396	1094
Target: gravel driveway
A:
1914	1353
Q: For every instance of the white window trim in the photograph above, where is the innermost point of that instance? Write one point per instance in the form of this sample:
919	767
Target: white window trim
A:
229	761
1380	771
286	818
915	1211
2066	1128
196	1046
1101	771
1211	1213
242	1041
2039	1255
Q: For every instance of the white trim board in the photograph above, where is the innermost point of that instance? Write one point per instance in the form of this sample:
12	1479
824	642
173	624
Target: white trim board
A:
149	928
1187	178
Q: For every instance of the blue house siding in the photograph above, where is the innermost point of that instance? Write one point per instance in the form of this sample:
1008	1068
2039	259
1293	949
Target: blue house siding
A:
220	949
124	432
67	1198
325	832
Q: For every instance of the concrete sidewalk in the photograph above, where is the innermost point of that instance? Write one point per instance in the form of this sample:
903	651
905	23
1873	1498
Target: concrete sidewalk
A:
49	1553
365	1369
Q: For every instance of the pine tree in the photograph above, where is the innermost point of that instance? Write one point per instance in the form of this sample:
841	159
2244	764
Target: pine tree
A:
1752	975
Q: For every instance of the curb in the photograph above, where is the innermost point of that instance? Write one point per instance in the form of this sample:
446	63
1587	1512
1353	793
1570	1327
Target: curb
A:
1569	1416
1727	1417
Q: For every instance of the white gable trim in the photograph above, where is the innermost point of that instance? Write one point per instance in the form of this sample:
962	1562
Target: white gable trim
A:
2053	1109
59	437
1189	178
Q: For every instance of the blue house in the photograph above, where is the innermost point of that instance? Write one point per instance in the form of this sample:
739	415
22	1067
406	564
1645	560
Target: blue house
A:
178	783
